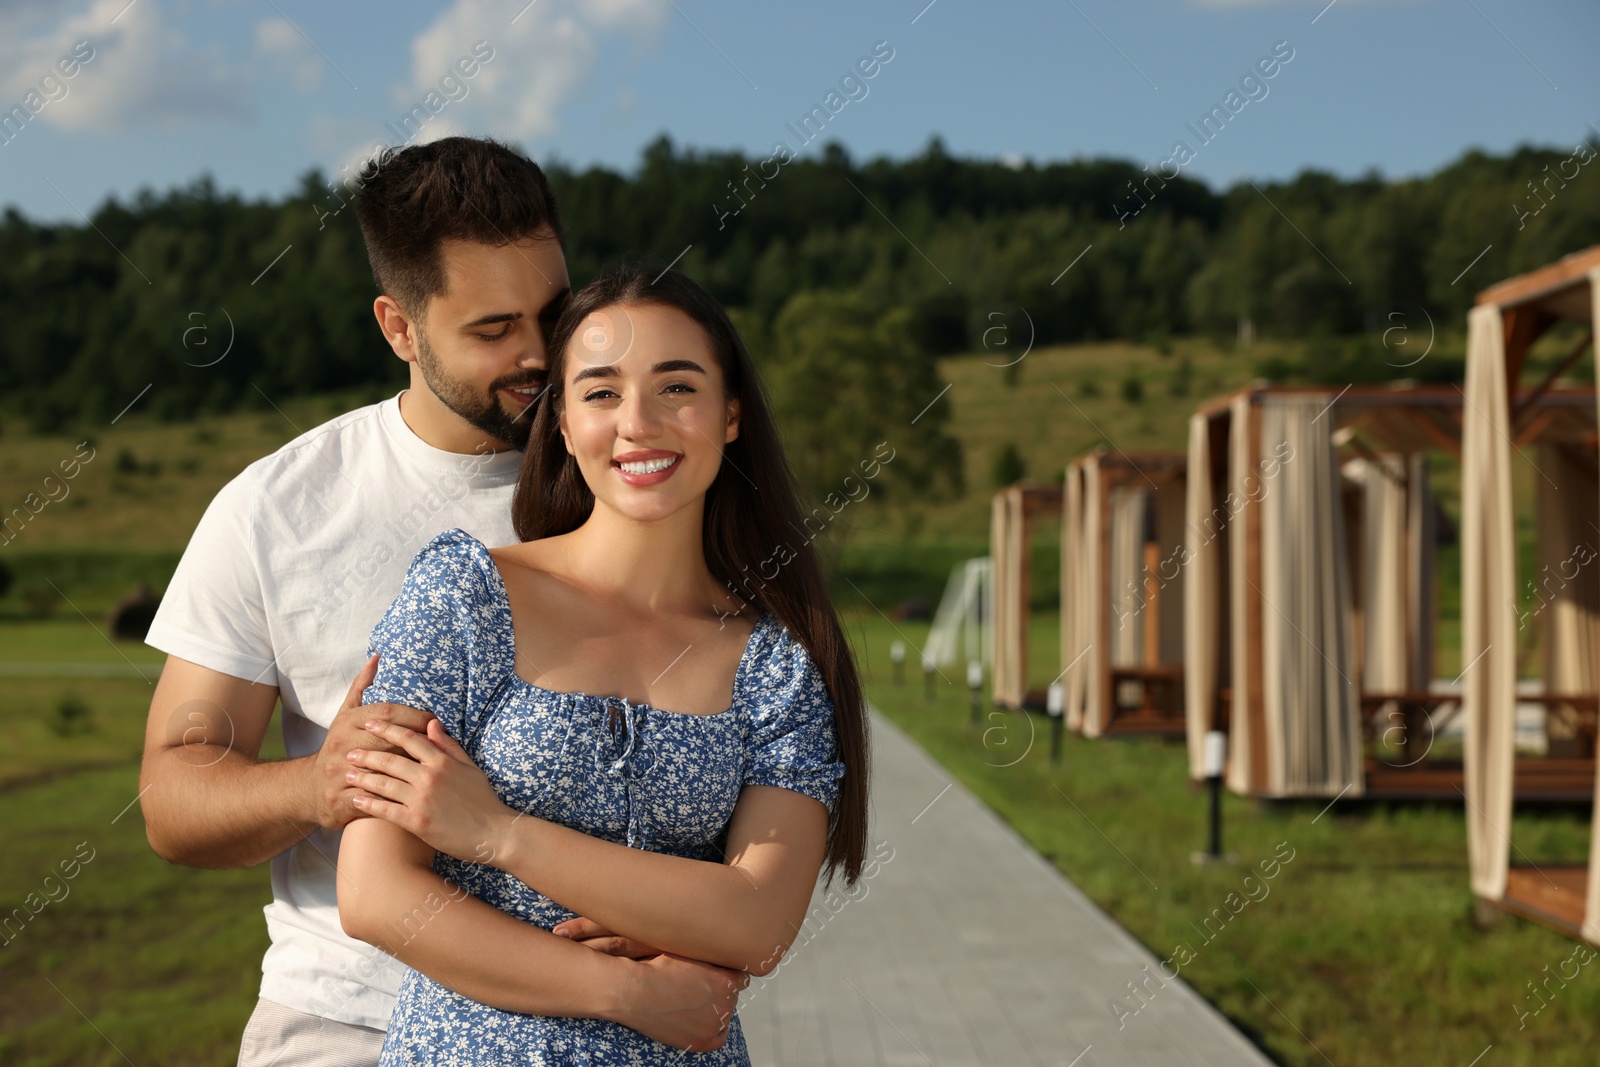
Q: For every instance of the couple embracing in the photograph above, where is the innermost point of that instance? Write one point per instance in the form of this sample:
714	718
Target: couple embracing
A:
580	791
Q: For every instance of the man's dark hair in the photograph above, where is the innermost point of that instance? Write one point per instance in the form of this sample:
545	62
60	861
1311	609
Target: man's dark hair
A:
467	188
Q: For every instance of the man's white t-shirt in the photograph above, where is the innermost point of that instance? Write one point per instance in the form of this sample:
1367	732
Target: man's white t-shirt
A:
292	565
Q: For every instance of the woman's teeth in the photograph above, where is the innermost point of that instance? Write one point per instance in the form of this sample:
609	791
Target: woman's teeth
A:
648	466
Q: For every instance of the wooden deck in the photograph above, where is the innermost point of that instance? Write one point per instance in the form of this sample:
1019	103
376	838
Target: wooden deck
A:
1550	896
1416	718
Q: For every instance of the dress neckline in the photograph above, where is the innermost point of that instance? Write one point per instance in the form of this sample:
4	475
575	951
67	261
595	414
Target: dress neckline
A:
503	598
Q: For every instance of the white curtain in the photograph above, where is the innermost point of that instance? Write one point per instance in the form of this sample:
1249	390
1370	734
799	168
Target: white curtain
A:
1128	523
1092	586
1008	549
1488	588
1385	656
1567	587
1242	600
1202	642
1074	598
1309	699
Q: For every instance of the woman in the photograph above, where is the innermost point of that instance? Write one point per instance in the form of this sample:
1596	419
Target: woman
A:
653	481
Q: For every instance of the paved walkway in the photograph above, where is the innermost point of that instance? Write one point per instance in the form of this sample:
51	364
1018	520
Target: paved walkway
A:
966	947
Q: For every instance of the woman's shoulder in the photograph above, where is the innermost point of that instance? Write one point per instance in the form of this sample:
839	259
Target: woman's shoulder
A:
453	575
442	640
549	562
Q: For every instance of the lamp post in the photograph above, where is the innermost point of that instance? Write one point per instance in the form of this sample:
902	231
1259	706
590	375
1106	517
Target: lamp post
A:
1214	759
1055	704
897	656
975	683
928	667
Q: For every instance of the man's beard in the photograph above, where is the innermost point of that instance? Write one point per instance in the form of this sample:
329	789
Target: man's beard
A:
482	411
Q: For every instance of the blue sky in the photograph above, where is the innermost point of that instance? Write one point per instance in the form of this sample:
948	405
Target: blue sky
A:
257	93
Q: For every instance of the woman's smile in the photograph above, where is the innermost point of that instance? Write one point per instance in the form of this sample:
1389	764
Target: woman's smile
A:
646	467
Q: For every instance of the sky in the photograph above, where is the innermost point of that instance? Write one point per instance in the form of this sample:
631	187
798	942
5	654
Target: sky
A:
255	94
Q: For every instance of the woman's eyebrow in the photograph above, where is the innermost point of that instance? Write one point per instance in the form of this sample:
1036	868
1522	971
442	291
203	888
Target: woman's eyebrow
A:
665	366
676	364
660	368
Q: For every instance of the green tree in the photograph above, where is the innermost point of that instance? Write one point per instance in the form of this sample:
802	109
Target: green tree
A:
1009	467
846	378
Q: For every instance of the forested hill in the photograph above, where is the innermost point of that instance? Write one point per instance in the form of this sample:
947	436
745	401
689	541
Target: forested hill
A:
928	249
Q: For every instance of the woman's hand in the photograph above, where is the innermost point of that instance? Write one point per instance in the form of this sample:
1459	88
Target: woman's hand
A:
438	794
591	934
681	1002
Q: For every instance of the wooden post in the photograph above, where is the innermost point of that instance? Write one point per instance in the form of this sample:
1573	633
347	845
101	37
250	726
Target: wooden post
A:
1152	603
1108	693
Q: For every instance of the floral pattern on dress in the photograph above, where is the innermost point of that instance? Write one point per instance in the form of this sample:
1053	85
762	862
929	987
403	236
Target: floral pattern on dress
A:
623	772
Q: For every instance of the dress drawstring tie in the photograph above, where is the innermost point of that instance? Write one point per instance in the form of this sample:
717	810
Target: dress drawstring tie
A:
622	765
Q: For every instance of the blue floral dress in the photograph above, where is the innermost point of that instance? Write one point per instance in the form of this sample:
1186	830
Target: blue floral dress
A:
629	773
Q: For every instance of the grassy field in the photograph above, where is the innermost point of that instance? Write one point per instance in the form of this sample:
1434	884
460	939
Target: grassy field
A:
129	956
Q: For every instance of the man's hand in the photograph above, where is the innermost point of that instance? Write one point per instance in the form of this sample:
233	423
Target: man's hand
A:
348	731
682	1002
591	934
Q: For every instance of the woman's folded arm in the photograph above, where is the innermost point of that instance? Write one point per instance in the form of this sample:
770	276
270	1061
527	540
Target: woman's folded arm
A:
742	913
390	897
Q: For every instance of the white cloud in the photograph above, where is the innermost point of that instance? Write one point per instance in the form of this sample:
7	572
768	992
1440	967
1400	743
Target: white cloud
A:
640	14
142	71
542	56
290	54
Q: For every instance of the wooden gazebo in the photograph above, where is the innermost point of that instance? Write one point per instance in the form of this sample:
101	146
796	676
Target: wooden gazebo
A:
1310	598
1503	326
1122	593
1013	516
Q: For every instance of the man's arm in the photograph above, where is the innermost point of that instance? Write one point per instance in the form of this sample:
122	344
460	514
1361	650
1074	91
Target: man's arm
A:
210	801
390	896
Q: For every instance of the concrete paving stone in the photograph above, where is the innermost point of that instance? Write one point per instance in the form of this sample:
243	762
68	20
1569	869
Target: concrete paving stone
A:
967	947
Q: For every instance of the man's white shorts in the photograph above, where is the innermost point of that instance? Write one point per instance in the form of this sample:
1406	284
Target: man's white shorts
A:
278	1036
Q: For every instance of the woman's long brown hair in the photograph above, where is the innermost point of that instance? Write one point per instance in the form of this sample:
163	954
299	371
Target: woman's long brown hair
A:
752	518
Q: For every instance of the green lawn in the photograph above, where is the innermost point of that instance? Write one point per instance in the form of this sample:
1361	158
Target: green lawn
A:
65	718
139	959
163	960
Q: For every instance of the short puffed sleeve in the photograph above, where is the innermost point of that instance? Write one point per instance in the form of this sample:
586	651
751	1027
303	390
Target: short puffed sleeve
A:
438	643
791	742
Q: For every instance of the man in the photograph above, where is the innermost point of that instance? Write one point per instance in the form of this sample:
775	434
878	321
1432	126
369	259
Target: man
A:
298	557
